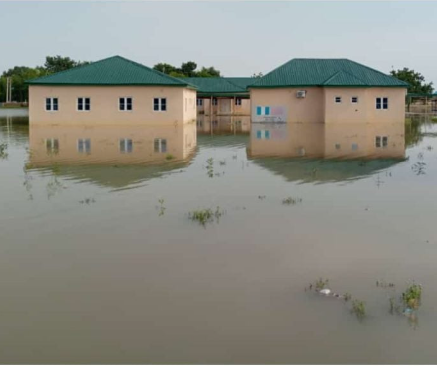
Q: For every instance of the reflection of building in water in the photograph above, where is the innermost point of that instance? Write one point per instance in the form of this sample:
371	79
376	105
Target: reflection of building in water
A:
318	140
335	152
111	145
223	124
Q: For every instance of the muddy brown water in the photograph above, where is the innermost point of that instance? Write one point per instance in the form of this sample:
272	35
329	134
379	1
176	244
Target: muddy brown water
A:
90	272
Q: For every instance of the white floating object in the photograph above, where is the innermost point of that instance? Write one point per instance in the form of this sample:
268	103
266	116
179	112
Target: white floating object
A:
325	291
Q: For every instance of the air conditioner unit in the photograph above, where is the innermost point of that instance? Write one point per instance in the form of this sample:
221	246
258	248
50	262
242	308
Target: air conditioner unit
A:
301	93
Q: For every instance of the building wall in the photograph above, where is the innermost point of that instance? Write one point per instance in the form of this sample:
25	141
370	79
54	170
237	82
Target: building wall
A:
319	105
105	105
224	107
365	110
309	109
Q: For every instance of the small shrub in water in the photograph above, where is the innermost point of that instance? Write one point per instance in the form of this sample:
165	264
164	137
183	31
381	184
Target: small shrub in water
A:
412	296
359	309
206	215
320	284
347	296
291	201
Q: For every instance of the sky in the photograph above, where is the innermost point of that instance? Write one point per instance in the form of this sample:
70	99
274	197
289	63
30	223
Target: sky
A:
238	38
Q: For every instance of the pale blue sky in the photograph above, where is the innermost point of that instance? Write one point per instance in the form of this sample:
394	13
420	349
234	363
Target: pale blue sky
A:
238	38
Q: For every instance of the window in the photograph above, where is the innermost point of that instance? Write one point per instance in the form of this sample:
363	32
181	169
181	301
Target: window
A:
160	145
200	102
52	146
84	146
381	103
159	104
337	99
354	147
214	101
381	141
337	147
51	104
126	146
237	101
263	134
125	104
83	104
354	99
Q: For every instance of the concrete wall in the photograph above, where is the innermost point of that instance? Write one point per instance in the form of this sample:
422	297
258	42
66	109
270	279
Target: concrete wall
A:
225	107
181	105
319	105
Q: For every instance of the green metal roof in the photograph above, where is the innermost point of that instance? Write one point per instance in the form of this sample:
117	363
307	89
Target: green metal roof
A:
114	70
242	82
218	86
325	72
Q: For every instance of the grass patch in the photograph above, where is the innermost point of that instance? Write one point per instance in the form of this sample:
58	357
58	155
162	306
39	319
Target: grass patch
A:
206	216
433	119
291	201
359	309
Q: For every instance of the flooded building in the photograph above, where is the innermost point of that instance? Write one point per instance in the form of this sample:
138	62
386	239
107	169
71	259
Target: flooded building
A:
113	91
327	91
222	96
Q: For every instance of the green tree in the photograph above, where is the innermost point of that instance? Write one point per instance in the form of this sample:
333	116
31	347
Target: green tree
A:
187	69
208	72
58	63
258	75
415	79
19	75
165	68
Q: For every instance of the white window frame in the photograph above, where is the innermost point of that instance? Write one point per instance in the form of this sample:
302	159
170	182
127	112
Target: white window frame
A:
83	144
352	100
51	104
83	104
381	141
159	140
335	99
125	145
382	104
199	102
52	149
214	101
160	104
238	101
125	104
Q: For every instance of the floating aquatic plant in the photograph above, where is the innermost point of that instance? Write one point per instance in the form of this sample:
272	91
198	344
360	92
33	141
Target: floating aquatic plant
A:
87	201
3	150
412	297
347	296
291	201
359	309
210	167
161	207
206	215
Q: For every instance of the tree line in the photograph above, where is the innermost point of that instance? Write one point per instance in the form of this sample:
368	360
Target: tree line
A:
53	64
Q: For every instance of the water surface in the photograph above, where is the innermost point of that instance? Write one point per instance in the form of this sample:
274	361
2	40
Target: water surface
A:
92	271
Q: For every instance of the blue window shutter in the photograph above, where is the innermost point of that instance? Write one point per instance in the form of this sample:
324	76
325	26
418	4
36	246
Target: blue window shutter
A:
258	111
267	111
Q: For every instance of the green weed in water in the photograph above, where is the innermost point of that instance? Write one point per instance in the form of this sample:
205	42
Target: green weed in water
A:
412	297
320	284
161	207
169	157
347	296
359	309
3	150
206	216
210	167
291	201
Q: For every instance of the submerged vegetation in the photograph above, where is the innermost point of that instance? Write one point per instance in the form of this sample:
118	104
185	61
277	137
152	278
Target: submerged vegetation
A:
161	207
206	216
291	201
3	150
359	309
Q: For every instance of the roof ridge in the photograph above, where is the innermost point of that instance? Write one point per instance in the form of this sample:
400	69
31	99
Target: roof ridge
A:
151	69
344	72
379	72
74	68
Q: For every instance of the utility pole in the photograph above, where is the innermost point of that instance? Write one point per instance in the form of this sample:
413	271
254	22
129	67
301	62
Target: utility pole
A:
8	89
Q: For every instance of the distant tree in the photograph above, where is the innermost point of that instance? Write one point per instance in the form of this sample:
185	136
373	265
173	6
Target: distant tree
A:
165	68
19	75
58	63
187	69
258	75
415	79
208	72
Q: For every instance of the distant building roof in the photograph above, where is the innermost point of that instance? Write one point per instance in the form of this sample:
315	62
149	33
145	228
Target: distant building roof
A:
114	70
301	72
220	86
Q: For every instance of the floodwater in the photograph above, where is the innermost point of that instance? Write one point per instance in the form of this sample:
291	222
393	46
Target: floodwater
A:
100	262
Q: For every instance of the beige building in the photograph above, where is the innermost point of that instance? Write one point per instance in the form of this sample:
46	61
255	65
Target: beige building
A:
327	91
113	91
222	96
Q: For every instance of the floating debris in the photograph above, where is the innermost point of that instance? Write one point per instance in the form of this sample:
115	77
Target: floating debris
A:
291	201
